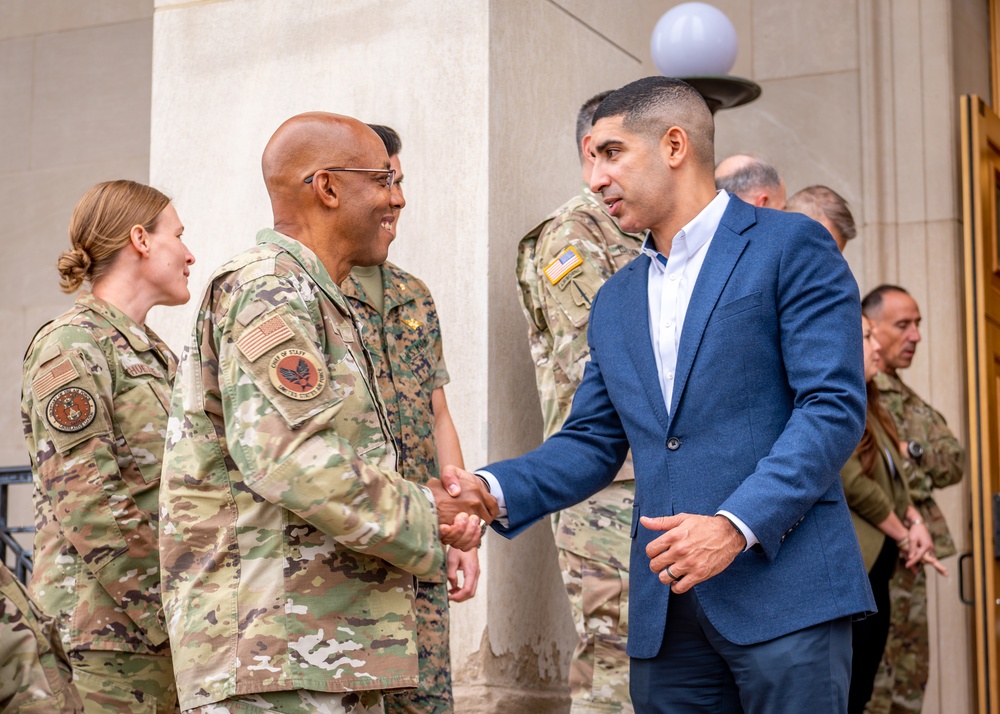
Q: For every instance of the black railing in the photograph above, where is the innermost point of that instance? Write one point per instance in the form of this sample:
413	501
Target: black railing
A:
9	476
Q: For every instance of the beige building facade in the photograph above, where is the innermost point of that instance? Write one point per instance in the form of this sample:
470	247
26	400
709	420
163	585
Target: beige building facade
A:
859	95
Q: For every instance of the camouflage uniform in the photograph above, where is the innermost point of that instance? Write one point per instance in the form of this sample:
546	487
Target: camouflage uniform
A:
405	346
95	391
35	675
561	264
902	676
288	544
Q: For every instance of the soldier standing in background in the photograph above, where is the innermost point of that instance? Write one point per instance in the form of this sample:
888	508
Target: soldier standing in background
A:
289	544
753	178
94	394
937	461
561	264
827	207
401	332
34	671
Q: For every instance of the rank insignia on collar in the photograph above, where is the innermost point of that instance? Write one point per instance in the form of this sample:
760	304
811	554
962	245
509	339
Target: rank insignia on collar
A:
412	324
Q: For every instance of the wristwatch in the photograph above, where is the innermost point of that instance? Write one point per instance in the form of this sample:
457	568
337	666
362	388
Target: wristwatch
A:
915	450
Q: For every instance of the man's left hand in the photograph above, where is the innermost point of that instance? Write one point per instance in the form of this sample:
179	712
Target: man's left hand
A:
466	563
694	548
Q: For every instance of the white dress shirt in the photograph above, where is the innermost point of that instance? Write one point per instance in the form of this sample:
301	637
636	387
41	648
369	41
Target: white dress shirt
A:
671	282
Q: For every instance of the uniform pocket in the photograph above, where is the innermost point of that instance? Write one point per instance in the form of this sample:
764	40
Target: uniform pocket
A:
142	420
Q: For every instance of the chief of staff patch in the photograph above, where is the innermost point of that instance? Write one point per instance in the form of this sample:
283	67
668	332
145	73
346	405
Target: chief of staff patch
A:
71	409
297	374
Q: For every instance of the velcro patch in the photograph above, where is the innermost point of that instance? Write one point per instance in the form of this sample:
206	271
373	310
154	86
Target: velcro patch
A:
71	409
297	374
140	368
563	264
253	343
50	380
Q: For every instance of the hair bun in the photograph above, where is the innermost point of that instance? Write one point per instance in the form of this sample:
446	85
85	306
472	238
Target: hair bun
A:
73	266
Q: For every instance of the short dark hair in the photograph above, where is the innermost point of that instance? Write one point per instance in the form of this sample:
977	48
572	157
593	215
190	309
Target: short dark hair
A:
755	173
814	200
872	302
652	105
585	117
389	137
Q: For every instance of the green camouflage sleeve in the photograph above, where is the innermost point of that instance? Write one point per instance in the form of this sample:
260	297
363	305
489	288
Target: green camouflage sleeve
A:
283	395
440	376
77	469
34	672
943	457
560	310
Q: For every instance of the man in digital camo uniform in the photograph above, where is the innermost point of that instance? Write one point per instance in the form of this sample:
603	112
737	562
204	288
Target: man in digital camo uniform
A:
403	336
560	266
937	461
289	545
35	675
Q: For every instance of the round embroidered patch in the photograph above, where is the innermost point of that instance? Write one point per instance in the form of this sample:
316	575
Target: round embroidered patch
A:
297	374
71	409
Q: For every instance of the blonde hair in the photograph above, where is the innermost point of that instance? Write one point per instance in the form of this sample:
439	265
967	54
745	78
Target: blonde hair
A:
101	226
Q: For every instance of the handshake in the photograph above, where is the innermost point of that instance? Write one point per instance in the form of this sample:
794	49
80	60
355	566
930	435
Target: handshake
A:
465	507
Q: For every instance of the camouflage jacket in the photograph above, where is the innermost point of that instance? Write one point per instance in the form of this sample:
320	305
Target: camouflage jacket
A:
943	460
405	347
561	264
35	675
94	396
288	544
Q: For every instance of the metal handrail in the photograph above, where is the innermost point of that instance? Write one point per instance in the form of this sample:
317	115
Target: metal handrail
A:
10	476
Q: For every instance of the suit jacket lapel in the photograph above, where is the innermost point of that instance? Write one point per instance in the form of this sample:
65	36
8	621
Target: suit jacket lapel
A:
636	336
723	253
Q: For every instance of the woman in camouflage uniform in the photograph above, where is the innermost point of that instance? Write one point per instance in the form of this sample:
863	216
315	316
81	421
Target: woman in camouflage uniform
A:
95	396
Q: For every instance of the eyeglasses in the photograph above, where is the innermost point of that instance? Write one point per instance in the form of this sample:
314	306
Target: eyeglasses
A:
390	174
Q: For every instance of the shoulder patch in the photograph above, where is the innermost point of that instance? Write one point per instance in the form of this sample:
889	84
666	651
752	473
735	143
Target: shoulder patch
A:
51	379
270	333
251	312
297	374
71	409
563	264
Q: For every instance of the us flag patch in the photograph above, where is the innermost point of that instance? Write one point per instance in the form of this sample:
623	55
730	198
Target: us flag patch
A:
253	343
59	375
562	265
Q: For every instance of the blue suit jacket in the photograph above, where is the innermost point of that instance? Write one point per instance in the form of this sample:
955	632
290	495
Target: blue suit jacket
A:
768	404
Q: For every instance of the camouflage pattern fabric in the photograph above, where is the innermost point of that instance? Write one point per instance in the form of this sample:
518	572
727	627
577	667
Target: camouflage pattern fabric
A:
561	264
94	401
35	675
406	350
288	544
124	683
298	702
905	667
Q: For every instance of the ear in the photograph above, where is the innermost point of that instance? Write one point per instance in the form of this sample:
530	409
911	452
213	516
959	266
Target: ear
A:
674	146
140	240
327	190
761	201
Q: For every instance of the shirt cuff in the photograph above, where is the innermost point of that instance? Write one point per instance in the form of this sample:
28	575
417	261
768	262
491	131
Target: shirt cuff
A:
742	527
497	493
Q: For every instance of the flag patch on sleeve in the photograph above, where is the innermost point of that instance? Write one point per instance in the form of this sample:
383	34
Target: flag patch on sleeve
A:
59	375
253	343
562	265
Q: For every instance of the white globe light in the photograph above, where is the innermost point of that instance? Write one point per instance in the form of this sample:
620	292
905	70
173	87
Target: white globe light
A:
693	39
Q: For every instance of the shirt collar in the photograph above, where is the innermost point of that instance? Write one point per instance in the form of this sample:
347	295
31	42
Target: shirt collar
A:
136	334
698	231
309	261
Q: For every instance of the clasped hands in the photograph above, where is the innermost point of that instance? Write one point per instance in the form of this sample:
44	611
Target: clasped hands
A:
464	506
918	547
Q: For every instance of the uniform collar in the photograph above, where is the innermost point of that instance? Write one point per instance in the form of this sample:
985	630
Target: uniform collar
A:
309	262
138	336
888	383
394	283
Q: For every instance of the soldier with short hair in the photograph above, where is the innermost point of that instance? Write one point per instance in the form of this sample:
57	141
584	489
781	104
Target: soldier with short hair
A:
289	543
936	460
561	264
402	333
35	674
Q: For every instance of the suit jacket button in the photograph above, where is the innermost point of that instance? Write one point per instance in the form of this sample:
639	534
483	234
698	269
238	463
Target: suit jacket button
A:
673	443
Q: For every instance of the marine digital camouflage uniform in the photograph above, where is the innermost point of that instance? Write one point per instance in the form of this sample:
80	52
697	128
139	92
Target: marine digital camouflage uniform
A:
902	676
95	390
405	346
288	544
35	675
561	264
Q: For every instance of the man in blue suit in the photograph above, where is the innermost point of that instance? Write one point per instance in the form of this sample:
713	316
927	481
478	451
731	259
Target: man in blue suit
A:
728	356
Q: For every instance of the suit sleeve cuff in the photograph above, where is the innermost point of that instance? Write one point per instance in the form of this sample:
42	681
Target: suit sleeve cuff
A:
742	528
497	493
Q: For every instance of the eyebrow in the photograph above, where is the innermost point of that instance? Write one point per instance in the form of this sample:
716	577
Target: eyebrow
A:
606	143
